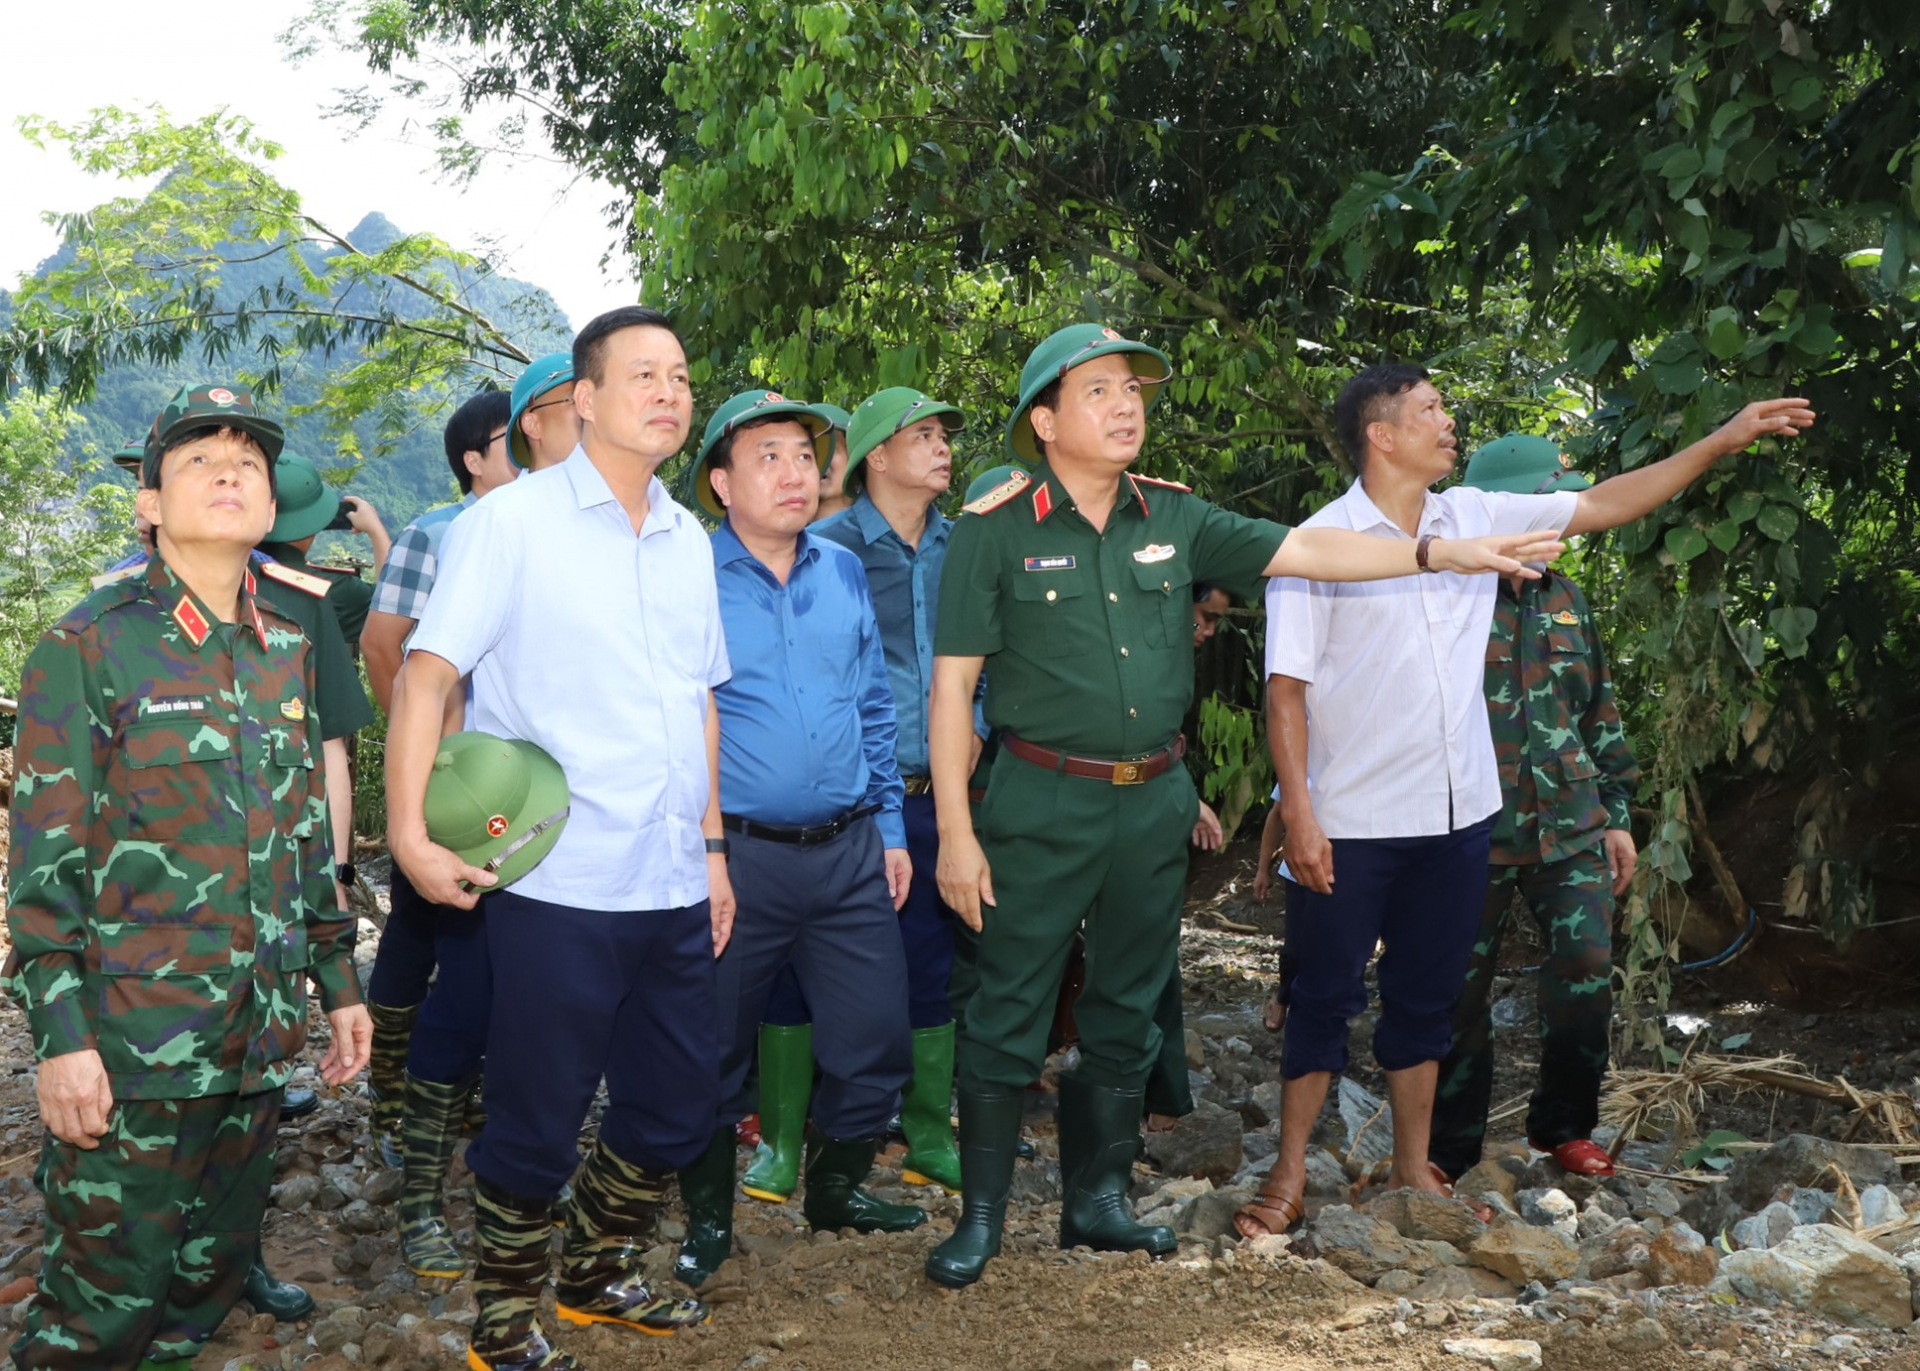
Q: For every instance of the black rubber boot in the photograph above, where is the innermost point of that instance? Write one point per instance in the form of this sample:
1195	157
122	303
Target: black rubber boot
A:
282	1299
516	1247
834	1199
1099	1136
707	1188
614	1207
989	1138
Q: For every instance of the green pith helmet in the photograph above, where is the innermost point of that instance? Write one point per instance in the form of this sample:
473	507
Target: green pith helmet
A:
307	503
836	416
208	405
992	479
1523	464
541	376
743	408
1060	353
129	458
881	416
496	803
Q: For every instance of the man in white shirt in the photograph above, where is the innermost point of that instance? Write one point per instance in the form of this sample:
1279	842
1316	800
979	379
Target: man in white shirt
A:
1378	726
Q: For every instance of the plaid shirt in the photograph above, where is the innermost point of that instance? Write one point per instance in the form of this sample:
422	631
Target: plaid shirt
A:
407	579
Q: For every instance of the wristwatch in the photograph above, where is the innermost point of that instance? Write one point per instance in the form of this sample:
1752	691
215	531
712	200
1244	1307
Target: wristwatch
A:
343	873
1420	553
718	845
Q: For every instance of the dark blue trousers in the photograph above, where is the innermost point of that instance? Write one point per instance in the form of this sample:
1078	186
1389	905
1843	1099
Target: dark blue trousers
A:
450	1038
403	963
826	911
628	996
1419	899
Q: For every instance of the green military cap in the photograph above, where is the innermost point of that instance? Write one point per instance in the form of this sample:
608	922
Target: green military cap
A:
202	406
837	416
307	504
992	479
541	376
130	457
1060	353
496	803
1523	464
881	416
743	408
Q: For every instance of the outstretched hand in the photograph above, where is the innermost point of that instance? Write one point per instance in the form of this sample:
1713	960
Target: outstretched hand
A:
1506	553
1786	417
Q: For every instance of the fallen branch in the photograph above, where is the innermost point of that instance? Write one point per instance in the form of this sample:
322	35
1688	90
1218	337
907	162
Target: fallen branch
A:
1634	1097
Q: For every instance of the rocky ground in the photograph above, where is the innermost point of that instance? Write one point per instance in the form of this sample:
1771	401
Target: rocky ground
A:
1796	1256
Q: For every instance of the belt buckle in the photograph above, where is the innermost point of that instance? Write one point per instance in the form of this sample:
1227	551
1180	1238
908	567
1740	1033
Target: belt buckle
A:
1129	773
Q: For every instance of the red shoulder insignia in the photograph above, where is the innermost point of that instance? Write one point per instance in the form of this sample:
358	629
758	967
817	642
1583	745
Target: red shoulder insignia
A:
999	495
300	580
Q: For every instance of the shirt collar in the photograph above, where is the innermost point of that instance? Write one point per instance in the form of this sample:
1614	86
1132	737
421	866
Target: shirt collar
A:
590	489
873	525
196	624
1363	514
727	547
1047	494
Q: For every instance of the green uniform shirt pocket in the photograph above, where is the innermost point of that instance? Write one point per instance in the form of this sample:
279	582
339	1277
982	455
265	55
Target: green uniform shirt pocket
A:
1169	588
173	774
1050	612
161	998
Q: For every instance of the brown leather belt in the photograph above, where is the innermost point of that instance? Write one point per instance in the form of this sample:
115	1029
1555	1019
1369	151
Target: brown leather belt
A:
1137	771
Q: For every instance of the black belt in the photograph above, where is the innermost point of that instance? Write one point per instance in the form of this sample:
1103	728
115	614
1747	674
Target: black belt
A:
799	837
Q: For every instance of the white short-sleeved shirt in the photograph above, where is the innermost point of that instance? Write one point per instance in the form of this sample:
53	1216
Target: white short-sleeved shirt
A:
1398	744
600	646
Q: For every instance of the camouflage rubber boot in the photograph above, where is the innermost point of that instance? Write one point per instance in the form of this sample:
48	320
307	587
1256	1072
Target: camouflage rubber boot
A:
432	1127
926	1114
707	1188
516	1244
614	1207
1099	1138
387	1076
834	1199
989	1141
786	1084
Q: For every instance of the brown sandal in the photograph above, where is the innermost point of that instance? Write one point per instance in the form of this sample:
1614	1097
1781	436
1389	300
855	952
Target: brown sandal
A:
1482	1212
1272	1211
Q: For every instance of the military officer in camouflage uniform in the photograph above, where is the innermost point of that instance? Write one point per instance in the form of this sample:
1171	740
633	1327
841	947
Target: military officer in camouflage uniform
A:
1073	588
170	895
1562	842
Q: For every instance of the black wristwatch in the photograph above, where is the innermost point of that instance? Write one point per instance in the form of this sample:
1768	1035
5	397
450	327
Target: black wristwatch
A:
343	873
718	845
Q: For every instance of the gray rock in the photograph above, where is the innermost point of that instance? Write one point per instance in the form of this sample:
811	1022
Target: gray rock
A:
1326	1175
1490	1178
1680	1256
1209	1216
301	1188
1358	1243
1258	1145
1366	1123
382	1187
361	1217
1810	1205
1522	1253
330	1198
1642	1335
338	1329
1550	1209
1500	1354
1204	1143
1664	1198
1761	1231
1422	1214
1878	1206
1038	1183
1801	1160
1824	1270
1910	1263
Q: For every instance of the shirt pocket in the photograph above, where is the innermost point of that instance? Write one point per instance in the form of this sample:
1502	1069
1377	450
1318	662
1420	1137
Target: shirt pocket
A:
165	990
1575	807
288	774
173	769
1051	614
1168	611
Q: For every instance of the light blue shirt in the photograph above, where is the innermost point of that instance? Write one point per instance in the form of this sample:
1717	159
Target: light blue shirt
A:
599	646
806	723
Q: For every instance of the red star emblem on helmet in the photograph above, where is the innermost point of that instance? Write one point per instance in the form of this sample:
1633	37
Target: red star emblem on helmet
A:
1109	333
774	397
497	826
220	395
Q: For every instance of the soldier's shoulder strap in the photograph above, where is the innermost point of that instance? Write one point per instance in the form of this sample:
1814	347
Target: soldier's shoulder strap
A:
107	578
1164	485
300	580
999	495
111	590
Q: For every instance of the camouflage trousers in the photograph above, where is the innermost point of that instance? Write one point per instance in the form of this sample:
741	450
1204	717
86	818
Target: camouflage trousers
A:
149	1236
1572	902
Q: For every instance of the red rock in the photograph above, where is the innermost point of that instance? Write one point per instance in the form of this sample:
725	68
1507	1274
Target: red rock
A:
16	1290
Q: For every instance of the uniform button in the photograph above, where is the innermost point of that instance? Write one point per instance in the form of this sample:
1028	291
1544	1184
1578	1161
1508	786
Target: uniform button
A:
1133	713
1113	597
1166	585
1123	652
1053	594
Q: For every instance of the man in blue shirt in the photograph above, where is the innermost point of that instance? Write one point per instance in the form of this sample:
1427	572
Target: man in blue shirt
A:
899	463
817	849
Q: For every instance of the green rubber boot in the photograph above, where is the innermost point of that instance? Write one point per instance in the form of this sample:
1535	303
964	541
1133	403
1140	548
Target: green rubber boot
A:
786	1083
516	1246
613	1211
989	1140
707	1188
925	1112
431	1129
282	1299
387	1076
834	1200
1099	1138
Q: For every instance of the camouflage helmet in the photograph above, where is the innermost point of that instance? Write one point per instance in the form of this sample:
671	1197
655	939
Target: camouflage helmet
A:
496	803
219	406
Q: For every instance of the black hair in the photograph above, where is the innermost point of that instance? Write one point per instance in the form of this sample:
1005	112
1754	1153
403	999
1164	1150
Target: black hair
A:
1203	589
1368	398
471	428
199	431
721	459
590	345
1049	398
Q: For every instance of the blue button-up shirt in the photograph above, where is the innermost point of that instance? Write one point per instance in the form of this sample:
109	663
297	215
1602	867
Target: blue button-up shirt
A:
806	723
905	582
600	646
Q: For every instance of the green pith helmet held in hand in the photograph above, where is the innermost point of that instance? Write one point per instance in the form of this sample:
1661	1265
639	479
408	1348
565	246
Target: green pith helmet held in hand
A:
542	375
992	479
743	408
496	803
1523	464
1059	354
204	406
131	456
881	416
307	503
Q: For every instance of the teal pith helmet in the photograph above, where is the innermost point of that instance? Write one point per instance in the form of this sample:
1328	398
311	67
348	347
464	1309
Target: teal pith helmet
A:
882	415
836	416
749	405
542	375
130	457
496	803
307	503
1523	464
208	405
1060	353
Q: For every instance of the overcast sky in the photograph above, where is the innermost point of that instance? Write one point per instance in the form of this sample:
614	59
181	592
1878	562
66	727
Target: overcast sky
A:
193	58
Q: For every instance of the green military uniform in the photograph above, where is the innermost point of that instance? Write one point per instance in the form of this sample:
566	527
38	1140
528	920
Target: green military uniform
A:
304	596
348	595
170	892
1567	775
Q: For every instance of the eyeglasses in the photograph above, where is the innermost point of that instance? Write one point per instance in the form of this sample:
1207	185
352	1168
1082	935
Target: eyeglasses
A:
493	438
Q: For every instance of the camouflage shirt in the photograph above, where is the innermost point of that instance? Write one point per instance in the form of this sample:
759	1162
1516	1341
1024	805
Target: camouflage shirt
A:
170	887
1566	772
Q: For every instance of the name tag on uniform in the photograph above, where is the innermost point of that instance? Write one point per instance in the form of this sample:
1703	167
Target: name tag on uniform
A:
1050	564
1154	552
179	705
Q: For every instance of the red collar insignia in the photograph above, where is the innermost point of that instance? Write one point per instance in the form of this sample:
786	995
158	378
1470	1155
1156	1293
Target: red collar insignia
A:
1138	493
1042	502
192	622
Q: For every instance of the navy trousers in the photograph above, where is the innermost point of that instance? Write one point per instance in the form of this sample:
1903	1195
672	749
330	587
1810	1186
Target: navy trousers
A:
625	995
1419	899
403	963
824	910
450	1037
